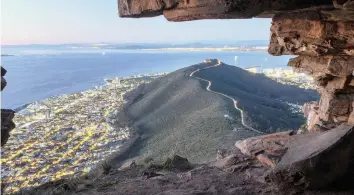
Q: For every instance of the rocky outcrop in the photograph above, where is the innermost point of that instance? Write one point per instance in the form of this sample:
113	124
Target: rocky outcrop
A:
3	81
231	174
314	161
6	115
268	149
326	52
242	176
178	163
183	10
6	124
309	33
333	66
309	161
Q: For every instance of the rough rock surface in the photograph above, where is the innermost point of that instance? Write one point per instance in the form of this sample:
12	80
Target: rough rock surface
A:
308	161
335	66
314	161
233	174
183	10
326	53
311	112
242	176
3	81
178	163
6	124
268	149
334	77
6	115
308	33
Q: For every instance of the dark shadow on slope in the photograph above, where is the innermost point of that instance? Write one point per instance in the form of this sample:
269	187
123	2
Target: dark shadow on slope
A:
259	97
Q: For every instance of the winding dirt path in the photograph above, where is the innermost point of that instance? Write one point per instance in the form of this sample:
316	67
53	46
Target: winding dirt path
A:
234	101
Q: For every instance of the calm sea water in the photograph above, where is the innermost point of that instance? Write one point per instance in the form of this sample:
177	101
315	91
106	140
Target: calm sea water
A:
35	72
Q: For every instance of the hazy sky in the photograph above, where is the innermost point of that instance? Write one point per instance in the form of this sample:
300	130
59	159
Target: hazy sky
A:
89	21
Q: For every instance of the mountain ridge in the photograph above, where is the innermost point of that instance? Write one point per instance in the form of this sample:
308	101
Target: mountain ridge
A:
176	114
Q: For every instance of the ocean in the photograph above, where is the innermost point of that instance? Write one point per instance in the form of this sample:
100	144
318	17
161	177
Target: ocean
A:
38	72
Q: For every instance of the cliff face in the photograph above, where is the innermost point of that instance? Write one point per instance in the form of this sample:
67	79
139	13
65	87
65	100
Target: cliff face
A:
6	115
326	52
321	34
184	10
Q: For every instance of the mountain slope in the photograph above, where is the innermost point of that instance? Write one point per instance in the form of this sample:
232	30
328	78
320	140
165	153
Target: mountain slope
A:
176	114
261	98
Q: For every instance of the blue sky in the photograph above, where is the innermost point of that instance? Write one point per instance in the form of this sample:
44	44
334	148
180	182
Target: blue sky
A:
90	21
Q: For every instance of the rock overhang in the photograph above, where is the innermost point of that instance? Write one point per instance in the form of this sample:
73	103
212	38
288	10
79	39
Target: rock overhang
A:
185	10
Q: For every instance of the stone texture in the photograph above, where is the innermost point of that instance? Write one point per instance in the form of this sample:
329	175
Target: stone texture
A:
202	180
331	104
308	107
339	15
177	163
6	124
351	83
3	83
336	84
311	112
351	116
231	159
6	115
343	4
256	145
183	10
334	77
3	71
307	33
268	149
143	8
314	160
268	160
339	66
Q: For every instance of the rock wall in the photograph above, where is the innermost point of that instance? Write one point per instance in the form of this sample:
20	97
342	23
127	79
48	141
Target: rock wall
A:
321	33
326	52
6	115
184	10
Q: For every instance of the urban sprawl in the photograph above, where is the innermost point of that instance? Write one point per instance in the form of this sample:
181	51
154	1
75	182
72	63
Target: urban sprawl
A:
66	135
285	76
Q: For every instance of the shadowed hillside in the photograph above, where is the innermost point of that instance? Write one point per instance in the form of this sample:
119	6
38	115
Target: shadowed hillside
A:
176	114
258	96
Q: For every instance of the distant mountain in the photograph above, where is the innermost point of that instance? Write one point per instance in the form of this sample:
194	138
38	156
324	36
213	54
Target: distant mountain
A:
176	114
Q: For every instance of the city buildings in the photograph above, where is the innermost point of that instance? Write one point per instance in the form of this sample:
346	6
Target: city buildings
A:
66	135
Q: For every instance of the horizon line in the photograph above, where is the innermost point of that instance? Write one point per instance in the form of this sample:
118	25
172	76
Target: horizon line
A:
126	43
